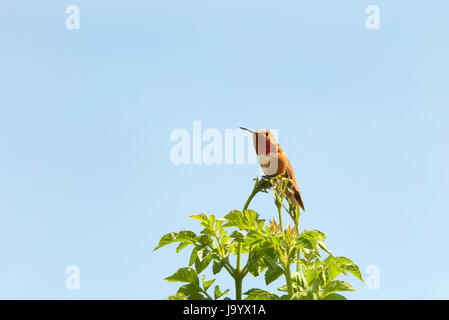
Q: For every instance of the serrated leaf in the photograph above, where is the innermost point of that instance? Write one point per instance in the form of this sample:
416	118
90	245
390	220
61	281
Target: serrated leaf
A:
182	245
234	219
259	294
283	288
323	246
253	237
188	275
194	255
185	235
200	265
354	269
300	280
338	285
334	296
303	242
250	217
272	274
166	239
301	295
271	261
217	265
202	252
189	289
200	217
204	239
218	294
178	296
333	268
206	283
343	261
181	236
238	235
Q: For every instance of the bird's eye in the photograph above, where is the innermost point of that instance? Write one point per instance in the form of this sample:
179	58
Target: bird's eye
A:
266	134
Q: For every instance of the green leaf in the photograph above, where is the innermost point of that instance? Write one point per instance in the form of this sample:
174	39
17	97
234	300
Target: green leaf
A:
316	234
218	294
346	264
301	295
343	261
300	280
178	296
180	236
207	231
238	235
338	285
206	283
315	285
323	246
185	235
194	255
251	218
188	275
182	245
204	239
166	239
354	269
283	288
334	296
203	252
271	261
253	237
303	242
217	265
189	290
200	265
272	274
200	217
234	219
333	268
259	294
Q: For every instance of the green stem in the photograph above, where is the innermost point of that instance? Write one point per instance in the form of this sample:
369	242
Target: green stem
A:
280	217
238	287
251	196
298	269
238	268
238	274
298	264
288	278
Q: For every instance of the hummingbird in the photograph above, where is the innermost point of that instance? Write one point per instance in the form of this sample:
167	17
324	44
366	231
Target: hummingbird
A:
274	162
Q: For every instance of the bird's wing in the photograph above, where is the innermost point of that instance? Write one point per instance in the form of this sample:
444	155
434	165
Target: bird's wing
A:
297	194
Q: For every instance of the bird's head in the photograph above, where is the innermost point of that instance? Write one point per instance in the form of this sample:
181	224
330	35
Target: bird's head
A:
264	141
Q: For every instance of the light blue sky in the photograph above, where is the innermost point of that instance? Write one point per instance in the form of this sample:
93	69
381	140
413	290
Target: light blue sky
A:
85	119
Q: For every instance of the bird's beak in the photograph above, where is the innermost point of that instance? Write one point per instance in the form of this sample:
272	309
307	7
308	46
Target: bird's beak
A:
252	131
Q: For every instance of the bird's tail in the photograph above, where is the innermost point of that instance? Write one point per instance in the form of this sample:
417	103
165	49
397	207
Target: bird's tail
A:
295	197
298	198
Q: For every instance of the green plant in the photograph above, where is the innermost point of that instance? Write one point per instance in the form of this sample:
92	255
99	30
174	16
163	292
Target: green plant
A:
269	248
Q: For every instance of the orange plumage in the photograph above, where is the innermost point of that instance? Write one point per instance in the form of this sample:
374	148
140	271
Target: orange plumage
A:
274	162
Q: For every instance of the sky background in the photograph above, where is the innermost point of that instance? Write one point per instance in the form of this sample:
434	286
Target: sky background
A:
85	119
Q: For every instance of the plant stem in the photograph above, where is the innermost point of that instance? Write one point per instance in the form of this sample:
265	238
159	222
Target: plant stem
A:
298	269
288	278
280	217
298	264
238	275
238	287
251	196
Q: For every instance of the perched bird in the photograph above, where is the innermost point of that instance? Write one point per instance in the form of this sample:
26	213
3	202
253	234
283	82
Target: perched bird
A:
274	162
